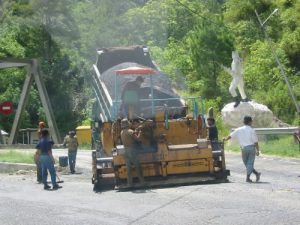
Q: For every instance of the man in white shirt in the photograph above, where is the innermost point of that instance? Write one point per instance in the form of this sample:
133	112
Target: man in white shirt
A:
248	141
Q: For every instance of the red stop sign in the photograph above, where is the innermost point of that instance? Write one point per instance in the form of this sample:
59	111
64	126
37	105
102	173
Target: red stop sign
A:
6	108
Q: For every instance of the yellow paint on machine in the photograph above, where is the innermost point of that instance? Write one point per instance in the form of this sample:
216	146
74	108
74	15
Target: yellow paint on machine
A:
188	166
106	137
181	150
149	170
173	168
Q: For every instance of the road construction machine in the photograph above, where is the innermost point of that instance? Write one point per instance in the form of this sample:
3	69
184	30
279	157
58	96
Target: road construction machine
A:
173	147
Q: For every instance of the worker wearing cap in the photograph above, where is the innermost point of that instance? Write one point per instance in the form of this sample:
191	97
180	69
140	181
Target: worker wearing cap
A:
131	97
129	139
71	143
248	141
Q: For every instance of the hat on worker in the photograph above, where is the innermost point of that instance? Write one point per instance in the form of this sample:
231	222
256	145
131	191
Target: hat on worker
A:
124	123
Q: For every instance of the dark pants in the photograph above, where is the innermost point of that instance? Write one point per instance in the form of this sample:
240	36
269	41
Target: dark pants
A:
132	159
72	160
215	145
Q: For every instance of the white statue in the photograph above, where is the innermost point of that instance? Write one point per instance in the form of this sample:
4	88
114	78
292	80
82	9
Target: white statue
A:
237	73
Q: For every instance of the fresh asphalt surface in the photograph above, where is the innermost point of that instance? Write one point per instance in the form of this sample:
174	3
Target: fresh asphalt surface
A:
274	200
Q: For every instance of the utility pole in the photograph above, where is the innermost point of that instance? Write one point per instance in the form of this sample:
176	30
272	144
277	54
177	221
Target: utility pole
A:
279	63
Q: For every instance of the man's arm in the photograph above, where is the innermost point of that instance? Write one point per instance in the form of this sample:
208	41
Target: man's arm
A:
228	70
257	148
77	144
255	140
64	144
50	151
51	156
227	138
37	156
136	135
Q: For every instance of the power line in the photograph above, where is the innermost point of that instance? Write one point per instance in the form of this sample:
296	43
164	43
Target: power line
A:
196	13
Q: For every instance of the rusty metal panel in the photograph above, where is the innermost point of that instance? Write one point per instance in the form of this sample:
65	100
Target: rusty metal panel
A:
188	166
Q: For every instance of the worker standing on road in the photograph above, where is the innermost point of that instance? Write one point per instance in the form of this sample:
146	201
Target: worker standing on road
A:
129	139
248	141
46	158
37	156
71	142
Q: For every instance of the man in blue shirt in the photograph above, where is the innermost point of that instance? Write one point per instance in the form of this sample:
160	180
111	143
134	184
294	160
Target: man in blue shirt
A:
46	158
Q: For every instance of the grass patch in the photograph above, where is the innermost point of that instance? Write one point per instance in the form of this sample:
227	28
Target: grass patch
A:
15	156
85	146
274	145
19	156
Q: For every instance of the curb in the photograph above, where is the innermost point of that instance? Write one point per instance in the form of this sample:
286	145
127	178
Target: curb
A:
11	167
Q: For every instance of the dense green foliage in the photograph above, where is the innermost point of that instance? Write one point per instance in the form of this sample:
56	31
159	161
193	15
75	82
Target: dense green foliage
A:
189	39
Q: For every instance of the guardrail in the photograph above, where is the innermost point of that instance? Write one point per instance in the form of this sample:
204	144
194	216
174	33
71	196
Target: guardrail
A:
194	107
277	130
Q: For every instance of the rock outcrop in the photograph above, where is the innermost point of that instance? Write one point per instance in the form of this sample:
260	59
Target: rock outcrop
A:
261	114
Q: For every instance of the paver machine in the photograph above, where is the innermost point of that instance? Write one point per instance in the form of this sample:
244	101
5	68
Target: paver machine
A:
173	149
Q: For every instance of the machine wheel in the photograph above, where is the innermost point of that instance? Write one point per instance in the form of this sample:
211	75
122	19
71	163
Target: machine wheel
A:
103	181
97	186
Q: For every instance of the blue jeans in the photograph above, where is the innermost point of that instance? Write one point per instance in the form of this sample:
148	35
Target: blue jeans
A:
248	155
48	165
72	160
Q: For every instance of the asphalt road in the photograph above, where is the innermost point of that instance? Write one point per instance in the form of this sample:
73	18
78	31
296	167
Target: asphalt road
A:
275	200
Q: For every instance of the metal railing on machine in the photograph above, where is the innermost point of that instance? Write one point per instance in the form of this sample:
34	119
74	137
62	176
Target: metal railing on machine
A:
164	103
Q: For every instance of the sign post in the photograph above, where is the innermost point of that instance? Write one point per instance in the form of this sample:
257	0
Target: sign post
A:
6	108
